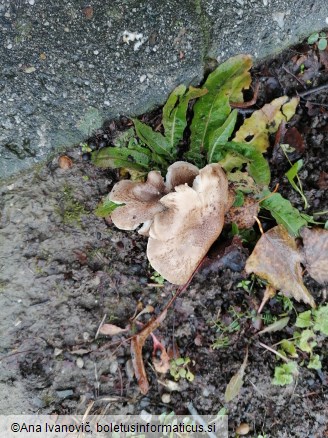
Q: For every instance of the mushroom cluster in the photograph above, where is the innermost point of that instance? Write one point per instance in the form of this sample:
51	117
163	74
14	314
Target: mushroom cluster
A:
182	216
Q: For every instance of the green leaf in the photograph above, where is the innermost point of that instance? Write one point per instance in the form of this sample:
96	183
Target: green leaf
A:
305	342
114	158
284	374
239	199
220	136
313	38
175	110
275	326
291	175
289	347
322	44
212	109
283	212
315	362
321	319
304	319
258	167
156	142
106	208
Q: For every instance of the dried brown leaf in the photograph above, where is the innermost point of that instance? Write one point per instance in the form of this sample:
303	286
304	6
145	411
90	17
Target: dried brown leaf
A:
276	259
315	253
162	364
243	216
111	330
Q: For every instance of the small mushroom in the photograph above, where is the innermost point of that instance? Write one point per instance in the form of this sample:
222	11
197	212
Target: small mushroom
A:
179	173
142	199
192	220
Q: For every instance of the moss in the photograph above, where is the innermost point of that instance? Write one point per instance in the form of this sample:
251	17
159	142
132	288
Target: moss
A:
70	209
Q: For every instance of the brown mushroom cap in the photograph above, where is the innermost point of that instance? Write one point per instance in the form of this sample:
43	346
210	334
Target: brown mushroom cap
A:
141	201
179	173
181	235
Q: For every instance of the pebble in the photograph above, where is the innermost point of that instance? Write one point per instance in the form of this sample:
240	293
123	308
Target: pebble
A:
143	78
64	394
79	362
31	2
166	398
243	429
113	367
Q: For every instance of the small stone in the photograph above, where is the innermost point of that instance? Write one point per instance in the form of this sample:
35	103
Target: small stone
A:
243	429
96	52
143	78
29	70
65	393
31	2
166	398
113	367
86	336
79	362
9	46
57	352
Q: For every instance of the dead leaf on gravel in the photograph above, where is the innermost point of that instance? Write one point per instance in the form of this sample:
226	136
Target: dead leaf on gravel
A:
266	121
236	382
315	252
324	57
276	259
111	330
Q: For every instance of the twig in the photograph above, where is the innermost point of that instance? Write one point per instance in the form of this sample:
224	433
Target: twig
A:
300	81
100	325
274	351
313	90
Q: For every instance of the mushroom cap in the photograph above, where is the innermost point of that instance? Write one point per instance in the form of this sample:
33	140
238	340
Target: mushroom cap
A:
141	199
181	235
179	173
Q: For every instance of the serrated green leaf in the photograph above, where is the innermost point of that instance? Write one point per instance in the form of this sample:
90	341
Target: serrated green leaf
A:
175	110
106	208
275	326
220	136
321	319
283	212
156	142
315	362
313	38
304	320
305	342
235	384
113	157
212	109
322	44
239	199
284	374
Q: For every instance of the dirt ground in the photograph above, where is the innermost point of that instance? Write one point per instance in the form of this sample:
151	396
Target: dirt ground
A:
63	270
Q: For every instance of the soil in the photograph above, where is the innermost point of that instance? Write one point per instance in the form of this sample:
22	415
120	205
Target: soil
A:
64	271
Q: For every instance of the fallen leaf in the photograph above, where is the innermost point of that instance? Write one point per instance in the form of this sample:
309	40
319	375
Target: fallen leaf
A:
276	259
266	121
315	252
275	326
243	216
236	382
111	330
